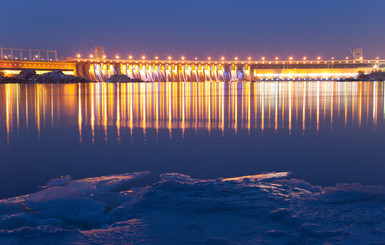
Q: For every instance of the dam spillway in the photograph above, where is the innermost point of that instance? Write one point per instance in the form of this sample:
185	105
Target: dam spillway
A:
198	71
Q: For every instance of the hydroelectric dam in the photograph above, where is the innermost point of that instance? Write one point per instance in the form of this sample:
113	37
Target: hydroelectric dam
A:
167	70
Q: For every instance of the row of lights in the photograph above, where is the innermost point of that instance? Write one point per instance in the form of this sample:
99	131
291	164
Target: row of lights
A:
16	58
209	58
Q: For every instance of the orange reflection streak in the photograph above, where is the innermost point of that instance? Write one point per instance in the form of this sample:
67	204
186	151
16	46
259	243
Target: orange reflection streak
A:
331	107
208	89
346	104
7	109
367	101
104	110
118	111
51	106
353	104
283	98
248	107
269	110
37	106
169	108
223	107
276	110
255	98
324	99
18	107
304	108
290	97
296	104
80	114
263	106
143	106
236	108
310	98
26	108
157	108
318	91
92	86
375	103
360	106
183	108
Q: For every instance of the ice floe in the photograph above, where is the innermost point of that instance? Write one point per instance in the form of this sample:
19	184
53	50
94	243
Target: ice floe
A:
269	208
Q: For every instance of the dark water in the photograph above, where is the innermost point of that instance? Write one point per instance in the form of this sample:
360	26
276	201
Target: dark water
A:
324	132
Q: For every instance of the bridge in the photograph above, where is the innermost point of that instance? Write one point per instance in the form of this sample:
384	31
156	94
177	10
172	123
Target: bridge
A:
164	70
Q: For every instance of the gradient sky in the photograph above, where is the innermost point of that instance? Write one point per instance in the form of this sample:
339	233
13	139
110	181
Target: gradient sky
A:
196	28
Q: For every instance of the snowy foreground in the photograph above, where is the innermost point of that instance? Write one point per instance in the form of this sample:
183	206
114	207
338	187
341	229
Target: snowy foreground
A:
262	209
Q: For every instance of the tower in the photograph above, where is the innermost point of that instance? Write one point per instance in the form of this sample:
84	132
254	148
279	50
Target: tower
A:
358	53
99	52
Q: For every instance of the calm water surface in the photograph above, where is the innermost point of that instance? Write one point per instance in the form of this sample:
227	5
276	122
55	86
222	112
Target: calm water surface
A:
324	132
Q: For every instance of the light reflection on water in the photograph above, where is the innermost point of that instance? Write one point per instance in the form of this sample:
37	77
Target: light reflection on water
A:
325	132
306	107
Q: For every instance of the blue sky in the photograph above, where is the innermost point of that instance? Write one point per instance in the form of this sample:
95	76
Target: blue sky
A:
196	28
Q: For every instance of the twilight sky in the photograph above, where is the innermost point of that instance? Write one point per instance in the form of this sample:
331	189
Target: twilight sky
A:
200	28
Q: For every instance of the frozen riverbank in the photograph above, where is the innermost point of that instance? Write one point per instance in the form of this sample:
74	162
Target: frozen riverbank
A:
265	209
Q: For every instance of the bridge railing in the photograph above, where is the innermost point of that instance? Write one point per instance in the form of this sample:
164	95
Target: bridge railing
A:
28	54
